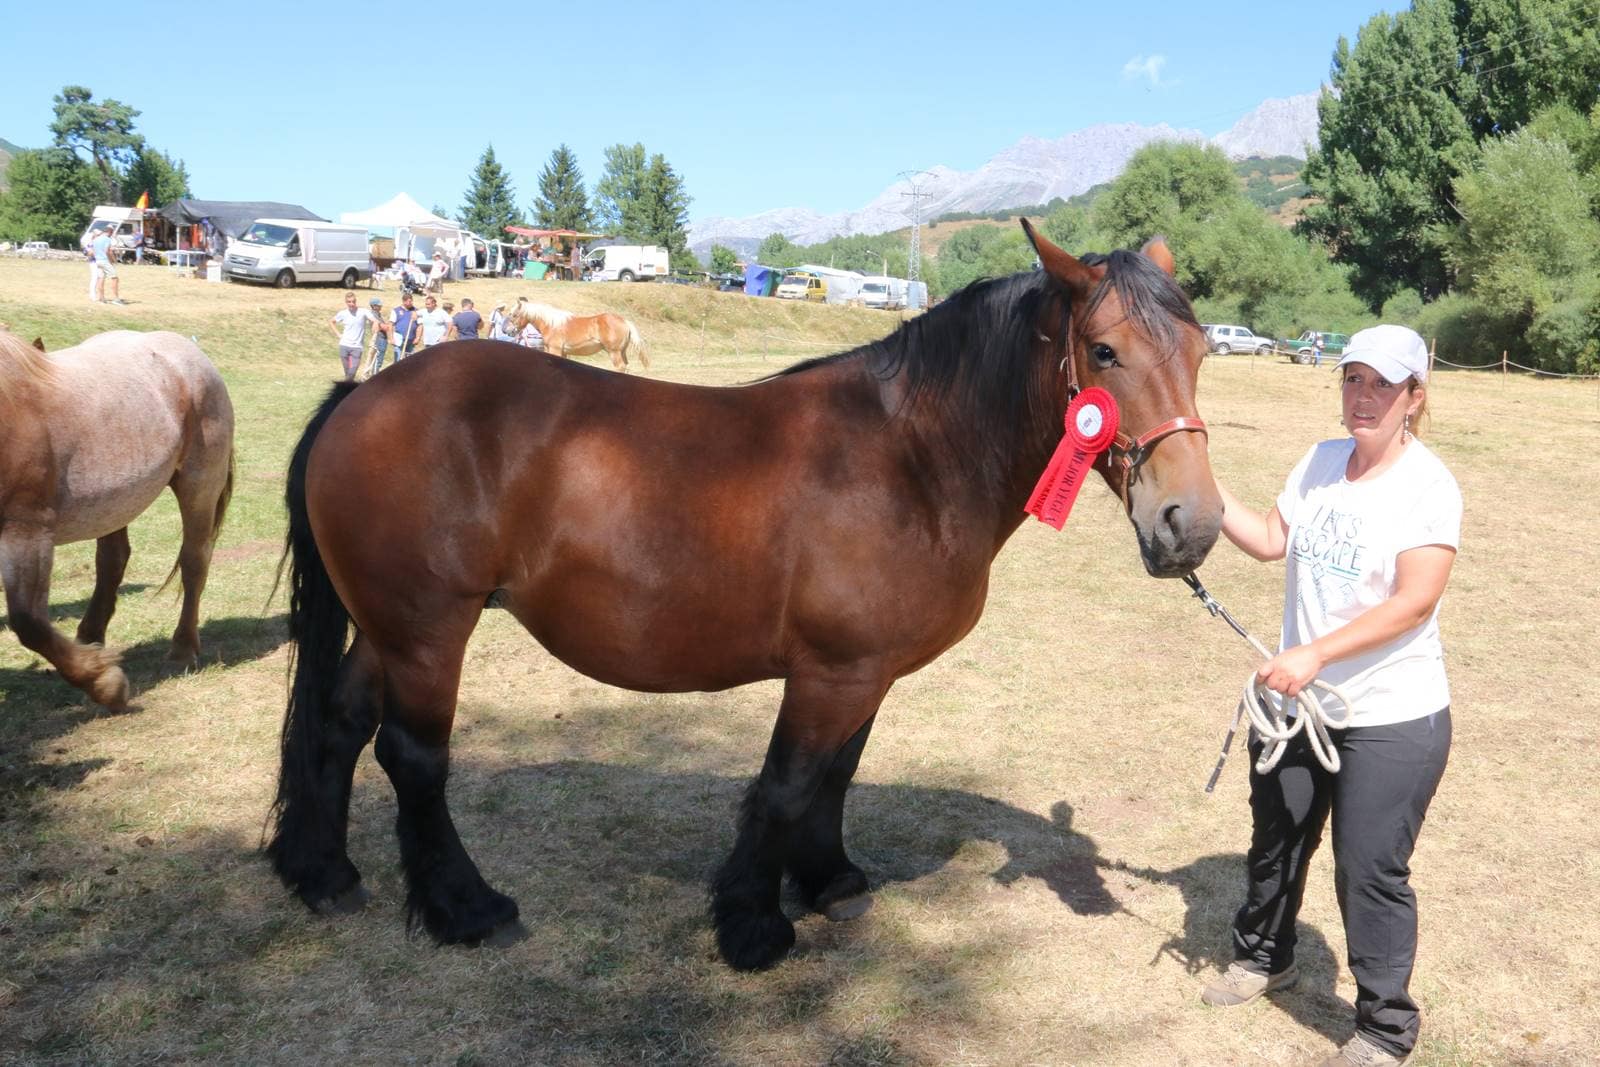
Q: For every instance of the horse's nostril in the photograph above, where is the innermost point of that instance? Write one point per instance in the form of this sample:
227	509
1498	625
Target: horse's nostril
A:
1172	519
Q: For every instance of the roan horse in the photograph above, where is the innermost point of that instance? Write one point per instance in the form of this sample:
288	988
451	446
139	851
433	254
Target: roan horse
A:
89	436
833	525
566	334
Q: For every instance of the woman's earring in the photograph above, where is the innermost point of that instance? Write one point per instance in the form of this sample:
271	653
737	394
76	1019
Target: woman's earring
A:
1405	432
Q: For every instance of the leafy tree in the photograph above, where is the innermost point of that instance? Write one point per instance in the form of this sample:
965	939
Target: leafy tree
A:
562	203
1527	239
50	196
1165	188
490	205
723	259
164	178
442	212
1412	102
982	252
776	250
620	192
103	130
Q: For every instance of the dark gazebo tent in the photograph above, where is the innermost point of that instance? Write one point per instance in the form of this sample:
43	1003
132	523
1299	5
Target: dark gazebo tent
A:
232	217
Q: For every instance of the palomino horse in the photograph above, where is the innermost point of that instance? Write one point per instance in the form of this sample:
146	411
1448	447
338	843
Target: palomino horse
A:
89	436
833	525
566	334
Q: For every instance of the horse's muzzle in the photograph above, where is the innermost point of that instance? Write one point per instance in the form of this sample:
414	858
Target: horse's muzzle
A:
1176	536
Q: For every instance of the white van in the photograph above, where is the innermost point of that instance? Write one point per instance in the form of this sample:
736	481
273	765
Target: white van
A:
288	252
626	263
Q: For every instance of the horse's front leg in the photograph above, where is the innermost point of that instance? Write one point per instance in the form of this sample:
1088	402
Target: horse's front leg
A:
819	722
111	554
26	554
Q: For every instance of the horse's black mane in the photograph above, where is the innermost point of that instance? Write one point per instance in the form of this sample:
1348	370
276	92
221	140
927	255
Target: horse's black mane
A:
975	349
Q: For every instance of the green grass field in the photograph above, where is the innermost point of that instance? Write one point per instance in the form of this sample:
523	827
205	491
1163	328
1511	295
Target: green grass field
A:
1053	884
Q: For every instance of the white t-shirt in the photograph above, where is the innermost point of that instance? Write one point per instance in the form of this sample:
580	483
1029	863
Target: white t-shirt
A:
1343	540
354	324
435	324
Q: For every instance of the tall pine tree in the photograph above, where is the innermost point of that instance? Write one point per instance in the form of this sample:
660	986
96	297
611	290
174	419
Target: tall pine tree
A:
619	194
562	204
666	207
490	205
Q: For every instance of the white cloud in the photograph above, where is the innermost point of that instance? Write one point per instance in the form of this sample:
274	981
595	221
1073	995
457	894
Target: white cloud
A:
1145	67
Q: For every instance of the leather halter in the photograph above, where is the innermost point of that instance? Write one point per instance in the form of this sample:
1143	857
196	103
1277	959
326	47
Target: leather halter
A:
1127	452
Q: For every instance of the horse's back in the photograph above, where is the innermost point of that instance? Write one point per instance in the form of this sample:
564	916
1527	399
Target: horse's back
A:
129	409
616	513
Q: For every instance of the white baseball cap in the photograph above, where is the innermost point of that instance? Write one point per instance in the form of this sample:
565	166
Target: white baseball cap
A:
1396	352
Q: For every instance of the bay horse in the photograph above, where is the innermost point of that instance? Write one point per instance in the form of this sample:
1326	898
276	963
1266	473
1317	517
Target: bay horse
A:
566	334
89	436
832	525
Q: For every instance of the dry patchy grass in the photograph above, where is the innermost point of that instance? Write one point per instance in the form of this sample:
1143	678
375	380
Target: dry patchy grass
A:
1052	881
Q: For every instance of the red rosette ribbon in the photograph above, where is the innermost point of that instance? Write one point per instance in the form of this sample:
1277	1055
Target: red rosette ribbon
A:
1091	426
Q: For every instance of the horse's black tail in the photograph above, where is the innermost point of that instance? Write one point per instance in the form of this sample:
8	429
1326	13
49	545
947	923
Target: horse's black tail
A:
319	625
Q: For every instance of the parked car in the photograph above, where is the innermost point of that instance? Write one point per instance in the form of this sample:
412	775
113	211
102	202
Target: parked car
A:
801	286
34	249
1225	339
1300	349
289	252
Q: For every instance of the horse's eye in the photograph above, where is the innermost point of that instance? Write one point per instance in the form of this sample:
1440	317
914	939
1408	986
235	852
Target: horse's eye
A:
1104	356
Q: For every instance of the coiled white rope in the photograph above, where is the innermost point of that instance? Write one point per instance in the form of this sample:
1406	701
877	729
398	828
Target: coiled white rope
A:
1268	712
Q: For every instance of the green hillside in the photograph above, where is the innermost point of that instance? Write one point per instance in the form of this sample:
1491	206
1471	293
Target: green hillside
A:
7	150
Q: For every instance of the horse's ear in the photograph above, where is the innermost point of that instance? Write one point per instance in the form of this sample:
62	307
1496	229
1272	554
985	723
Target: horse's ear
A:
1156	249
1058	264
38	342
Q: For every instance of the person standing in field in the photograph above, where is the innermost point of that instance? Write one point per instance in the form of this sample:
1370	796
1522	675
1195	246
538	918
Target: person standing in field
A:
101	247
382	331
435	323
1316	349
349	325
407	328
1370	525
466	323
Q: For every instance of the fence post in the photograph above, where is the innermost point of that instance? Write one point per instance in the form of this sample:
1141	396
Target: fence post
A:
1433	350
1502	366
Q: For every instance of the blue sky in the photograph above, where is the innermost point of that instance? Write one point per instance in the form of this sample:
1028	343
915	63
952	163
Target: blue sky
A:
757	106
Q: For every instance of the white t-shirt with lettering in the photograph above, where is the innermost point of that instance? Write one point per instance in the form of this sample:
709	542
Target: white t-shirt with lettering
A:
353	326
1344	538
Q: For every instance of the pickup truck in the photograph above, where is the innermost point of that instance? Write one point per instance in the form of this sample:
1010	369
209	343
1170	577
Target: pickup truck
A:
1300	349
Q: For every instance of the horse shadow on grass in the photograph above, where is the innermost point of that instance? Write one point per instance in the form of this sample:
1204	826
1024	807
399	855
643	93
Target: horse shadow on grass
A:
39	706
1212	887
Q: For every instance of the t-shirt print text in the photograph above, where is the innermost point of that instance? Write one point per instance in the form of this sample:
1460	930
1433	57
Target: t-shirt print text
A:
1329	545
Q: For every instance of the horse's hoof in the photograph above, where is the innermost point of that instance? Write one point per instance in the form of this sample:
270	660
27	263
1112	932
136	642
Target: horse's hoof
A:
505	935
348	902
110	689
755	942
846	908
181	661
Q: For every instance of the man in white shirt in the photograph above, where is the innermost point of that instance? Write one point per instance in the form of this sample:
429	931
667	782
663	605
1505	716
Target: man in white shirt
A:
350	327
435	323
108	270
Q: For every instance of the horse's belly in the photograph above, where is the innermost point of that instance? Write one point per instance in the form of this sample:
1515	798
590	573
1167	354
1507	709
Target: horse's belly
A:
89	512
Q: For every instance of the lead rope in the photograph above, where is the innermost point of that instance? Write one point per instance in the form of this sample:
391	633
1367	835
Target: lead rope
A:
1265	708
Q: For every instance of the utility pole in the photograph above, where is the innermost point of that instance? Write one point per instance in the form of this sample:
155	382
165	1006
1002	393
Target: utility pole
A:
918	181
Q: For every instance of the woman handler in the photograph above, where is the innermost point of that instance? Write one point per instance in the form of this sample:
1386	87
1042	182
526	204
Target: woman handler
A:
1370	525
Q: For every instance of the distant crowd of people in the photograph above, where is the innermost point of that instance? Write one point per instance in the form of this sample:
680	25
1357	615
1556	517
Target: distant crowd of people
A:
407	330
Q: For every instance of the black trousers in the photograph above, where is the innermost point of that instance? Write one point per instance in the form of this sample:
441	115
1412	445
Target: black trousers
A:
1378	800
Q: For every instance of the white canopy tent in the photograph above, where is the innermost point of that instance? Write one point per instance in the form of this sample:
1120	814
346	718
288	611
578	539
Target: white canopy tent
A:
415	227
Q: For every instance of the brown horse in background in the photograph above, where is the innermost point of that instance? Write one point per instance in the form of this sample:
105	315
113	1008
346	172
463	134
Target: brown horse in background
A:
833	525
89	436
566	334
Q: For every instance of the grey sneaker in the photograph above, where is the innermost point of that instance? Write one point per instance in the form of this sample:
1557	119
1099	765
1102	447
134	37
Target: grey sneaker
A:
1240	985
1359	1052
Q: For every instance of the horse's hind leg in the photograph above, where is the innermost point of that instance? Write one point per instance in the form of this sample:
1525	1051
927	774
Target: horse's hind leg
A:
820	721
309	847
110	564
202	497
446	894
26	553
822	871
